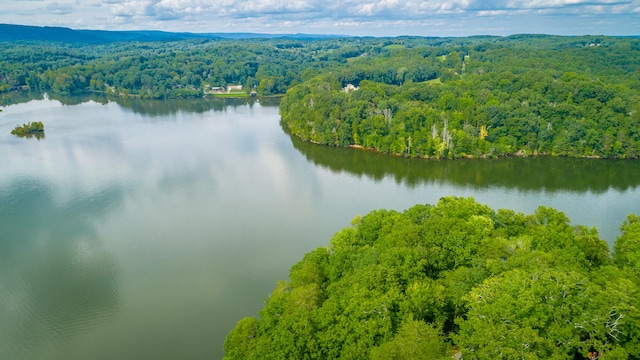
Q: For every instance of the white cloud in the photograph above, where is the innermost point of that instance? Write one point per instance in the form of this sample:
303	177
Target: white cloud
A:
542	4
379	17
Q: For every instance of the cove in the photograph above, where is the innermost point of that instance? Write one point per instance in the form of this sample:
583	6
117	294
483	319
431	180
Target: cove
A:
147	229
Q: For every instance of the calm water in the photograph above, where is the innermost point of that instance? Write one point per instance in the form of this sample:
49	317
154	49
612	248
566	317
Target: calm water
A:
146	230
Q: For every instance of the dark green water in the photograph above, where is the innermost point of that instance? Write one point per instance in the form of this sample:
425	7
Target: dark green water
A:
146	230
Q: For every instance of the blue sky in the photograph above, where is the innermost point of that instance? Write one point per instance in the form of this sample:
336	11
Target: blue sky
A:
348	17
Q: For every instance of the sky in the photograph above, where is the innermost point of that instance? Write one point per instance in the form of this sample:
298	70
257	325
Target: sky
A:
344	17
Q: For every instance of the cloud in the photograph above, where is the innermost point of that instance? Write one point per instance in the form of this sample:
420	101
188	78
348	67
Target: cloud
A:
59	9
496	5
373	17
354	16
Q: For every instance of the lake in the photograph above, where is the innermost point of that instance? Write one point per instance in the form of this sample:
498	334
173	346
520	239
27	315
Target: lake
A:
147	229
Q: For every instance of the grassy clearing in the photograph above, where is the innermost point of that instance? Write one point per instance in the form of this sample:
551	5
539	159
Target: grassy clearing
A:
239	94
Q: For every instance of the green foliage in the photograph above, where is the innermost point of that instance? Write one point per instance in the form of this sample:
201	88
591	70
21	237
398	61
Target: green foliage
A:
510	96
627	248
455	278
35	128
155	70
414	340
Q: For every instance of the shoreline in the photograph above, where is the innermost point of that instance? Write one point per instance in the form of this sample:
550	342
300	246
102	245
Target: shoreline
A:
517	154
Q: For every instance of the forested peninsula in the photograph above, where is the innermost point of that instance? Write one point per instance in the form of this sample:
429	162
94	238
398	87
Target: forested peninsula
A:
521	96
479	96
455	279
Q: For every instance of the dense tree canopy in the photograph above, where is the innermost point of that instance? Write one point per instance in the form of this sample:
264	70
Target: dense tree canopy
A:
185	69
409	96
181	69
455	277
522	96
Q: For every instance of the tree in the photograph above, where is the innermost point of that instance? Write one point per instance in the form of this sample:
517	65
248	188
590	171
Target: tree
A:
414	340
627	247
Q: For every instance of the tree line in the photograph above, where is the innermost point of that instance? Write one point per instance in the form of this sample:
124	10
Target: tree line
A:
454	279
156	70
269	66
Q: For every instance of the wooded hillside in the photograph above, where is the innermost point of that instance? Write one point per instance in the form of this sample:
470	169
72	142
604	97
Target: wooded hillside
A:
454	278
521	96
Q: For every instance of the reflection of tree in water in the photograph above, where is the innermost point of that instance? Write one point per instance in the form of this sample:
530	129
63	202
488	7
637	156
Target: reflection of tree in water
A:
532	173
141	106
38	135
174	106
56	280
19	97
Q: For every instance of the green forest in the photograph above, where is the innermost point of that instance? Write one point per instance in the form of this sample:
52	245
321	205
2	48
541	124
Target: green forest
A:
455	279
522	96
421	97
187	68
169	69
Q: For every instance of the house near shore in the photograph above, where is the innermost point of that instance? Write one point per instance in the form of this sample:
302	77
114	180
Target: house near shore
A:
221	89
208	89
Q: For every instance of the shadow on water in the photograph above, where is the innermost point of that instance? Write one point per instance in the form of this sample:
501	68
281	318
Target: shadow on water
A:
56	279
543	173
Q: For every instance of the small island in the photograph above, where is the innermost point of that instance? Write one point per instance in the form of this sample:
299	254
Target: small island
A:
32	129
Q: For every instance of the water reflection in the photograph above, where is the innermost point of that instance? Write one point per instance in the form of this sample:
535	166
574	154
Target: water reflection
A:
178	209
56	279
152	108
19	97
157	108
37	135
549	174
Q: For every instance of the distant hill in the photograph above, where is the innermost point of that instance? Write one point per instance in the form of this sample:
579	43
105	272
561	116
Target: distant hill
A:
9	32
